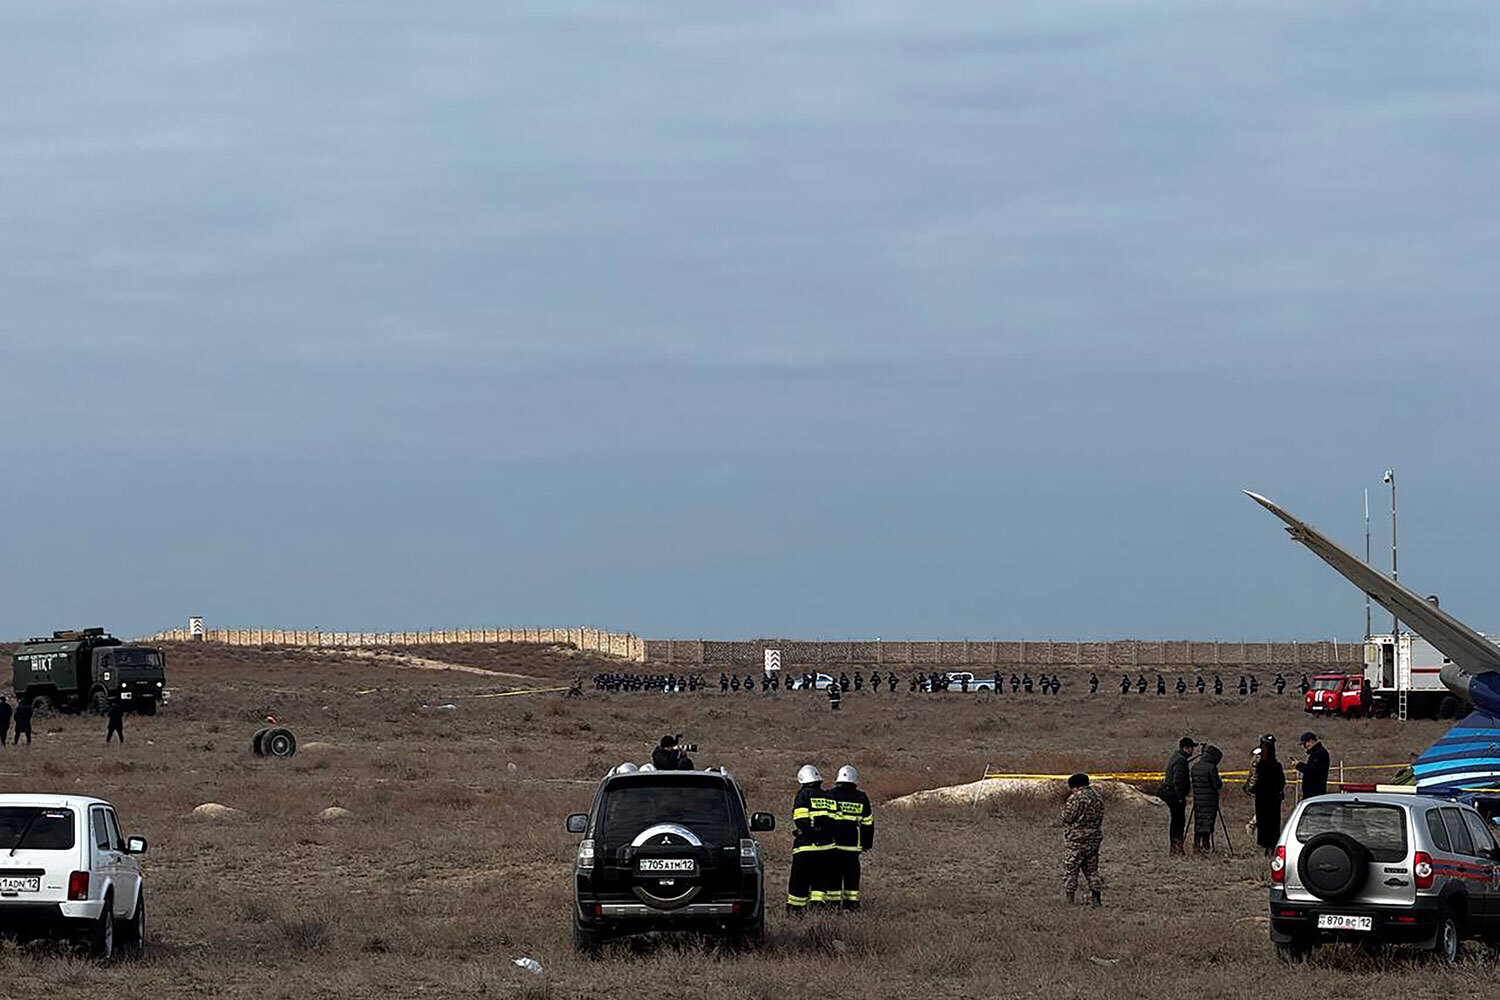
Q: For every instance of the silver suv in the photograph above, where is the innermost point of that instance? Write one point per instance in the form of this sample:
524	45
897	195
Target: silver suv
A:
1377	868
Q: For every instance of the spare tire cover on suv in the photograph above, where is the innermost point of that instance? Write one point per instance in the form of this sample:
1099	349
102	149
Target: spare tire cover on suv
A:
667	844
1333	866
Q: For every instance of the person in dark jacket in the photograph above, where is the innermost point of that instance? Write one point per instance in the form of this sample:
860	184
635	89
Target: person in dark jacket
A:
23	720
1175	788
1267	784
812	841
116	725
834	696
1315	768
4	720
1206	785
668	756
1366	699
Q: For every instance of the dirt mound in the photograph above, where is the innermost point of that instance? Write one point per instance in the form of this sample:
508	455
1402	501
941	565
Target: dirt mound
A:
987	790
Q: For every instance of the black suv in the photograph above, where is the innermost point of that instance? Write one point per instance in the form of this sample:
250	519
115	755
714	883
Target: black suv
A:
668	850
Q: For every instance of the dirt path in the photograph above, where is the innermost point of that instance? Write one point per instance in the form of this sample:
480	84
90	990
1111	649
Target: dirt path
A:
392	659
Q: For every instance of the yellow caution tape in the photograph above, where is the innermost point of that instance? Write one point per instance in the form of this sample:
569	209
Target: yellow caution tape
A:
512	694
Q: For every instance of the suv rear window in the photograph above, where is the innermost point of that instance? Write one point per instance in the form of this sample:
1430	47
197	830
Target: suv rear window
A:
31	828
1380	828
633	804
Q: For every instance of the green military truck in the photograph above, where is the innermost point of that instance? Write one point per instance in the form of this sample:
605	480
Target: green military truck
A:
86	669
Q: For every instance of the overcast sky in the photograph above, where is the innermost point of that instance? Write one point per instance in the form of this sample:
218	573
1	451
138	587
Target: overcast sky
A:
788	318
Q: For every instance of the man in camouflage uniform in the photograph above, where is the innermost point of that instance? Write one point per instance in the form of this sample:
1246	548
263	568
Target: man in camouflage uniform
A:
1083	816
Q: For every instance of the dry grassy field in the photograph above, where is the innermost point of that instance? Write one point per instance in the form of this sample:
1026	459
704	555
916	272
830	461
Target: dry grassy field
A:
455	860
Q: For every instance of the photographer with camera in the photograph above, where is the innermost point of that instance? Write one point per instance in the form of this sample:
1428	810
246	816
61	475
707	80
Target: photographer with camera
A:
672	754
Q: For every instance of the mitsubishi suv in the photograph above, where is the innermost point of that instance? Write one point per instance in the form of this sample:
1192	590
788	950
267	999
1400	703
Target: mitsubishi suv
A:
668	850
65	871
1384	868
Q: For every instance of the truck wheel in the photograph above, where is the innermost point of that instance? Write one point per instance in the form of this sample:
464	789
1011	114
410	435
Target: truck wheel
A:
257	742
99	703
279	743
42	706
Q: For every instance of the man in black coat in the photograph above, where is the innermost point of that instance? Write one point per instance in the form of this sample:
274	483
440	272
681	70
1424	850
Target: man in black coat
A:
116	725
23	720
1176	786
4	719
1315	768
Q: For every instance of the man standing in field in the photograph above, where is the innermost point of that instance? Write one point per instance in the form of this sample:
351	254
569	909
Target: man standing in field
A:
1176	785
4	719
1083	817
116	725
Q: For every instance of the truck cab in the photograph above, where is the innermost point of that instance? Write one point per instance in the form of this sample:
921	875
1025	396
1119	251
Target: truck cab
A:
1334	694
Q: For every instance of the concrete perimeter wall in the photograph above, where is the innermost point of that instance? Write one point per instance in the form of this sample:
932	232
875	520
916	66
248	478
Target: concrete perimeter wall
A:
1115	654
625	646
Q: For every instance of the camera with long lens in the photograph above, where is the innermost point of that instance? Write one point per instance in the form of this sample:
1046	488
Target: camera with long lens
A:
686	747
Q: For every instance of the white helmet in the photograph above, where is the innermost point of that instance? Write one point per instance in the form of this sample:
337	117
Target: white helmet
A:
808	774
626	768
647	767
848	775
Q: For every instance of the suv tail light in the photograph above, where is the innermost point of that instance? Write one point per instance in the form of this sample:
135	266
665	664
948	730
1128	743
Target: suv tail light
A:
1278	865
78	886
586	854
747	853
1422	868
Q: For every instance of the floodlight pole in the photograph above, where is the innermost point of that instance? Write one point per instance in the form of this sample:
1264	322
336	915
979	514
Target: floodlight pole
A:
1390	477
1367	559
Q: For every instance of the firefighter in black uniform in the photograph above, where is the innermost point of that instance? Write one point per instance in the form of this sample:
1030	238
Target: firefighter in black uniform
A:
1161	685
853	834
812	842
1280	682
859	681
875	682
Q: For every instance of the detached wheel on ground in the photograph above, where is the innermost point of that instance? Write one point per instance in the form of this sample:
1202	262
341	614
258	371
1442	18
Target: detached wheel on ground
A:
257	742
133	934
279	743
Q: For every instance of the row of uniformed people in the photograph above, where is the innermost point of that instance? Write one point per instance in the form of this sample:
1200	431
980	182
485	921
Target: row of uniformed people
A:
831	828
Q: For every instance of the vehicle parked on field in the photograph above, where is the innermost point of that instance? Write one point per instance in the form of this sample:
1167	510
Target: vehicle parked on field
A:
78	669
1334	694
1384	868
798	682
668	850
956	679
66	871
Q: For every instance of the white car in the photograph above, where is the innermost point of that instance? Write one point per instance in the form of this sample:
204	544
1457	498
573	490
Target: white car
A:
798	682
66	871
956	680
